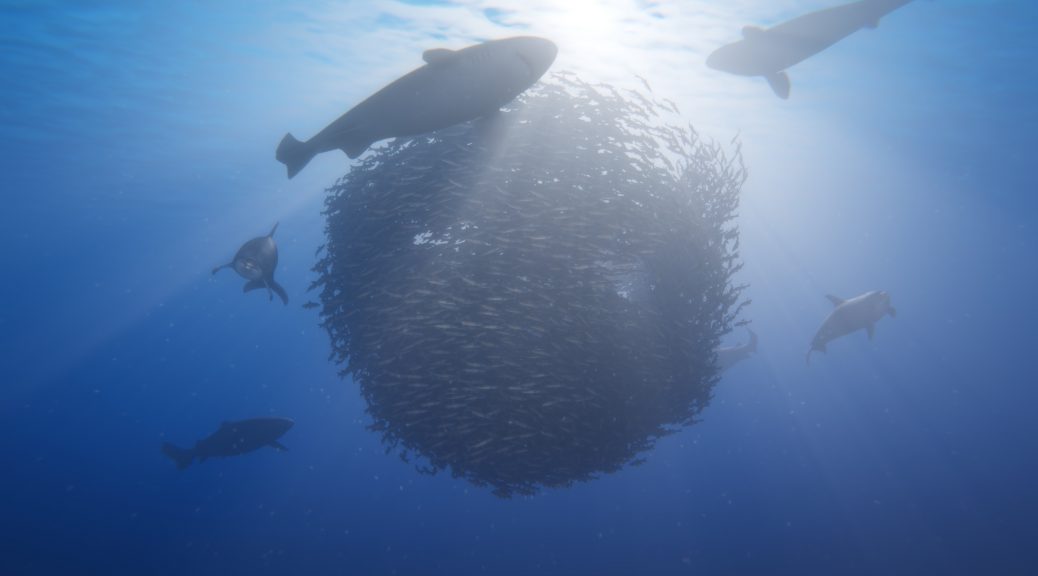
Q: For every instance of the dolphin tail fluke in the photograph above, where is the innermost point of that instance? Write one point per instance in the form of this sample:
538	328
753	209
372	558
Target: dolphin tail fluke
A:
295	155
179	455
779	83
279	291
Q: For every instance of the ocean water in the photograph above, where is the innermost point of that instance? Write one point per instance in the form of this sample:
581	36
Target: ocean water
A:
138	152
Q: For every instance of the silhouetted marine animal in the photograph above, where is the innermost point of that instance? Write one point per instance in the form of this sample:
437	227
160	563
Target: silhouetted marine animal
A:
256	261
232	439
770	52
858	313
453	87
729	356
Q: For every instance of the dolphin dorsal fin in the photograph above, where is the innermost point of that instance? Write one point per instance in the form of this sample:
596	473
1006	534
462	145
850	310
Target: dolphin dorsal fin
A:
836	300
751	31
438	55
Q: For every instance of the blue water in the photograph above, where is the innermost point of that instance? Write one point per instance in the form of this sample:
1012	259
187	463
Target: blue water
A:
137	153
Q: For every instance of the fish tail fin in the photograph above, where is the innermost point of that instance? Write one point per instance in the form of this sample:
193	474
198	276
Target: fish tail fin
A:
179	455
295	155
779	83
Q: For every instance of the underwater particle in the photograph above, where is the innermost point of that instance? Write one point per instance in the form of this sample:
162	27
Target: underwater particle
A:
533	299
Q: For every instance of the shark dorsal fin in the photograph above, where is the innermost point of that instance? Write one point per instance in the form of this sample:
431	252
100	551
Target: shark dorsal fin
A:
438	55
836	300
751	31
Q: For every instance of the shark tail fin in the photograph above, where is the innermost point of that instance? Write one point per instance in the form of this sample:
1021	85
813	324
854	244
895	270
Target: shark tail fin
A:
295	155
273	230
179	455
779	83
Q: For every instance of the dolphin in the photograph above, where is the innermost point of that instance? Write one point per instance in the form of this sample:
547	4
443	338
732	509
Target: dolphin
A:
256	261
232	439
770	52
729	356
454	86
858	313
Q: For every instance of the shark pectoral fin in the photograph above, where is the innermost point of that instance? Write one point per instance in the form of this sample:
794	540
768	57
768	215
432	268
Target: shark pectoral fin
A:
253	285
836	300
892	311
438	55
181	456
278	446
279	291
354	149
779	83
871	329
814	348
751	31
221	267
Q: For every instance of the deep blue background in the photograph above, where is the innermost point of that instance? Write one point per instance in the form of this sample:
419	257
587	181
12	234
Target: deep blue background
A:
136	153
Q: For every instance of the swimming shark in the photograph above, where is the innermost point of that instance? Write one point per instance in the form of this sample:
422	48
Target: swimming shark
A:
858	313
729	356
232	439
770	52
453	86
256	261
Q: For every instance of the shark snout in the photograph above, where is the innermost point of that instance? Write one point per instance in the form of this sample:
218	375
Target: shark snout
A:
248	268
537	53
